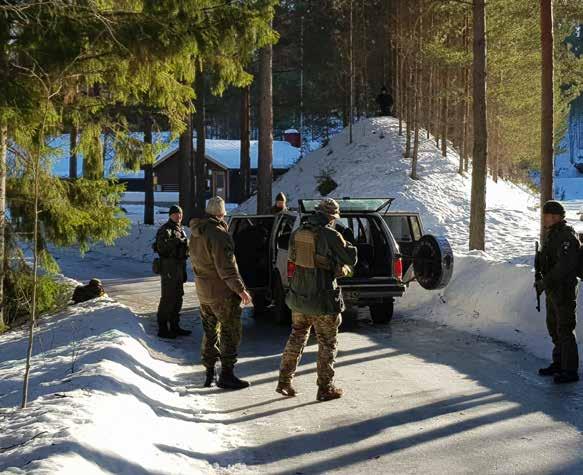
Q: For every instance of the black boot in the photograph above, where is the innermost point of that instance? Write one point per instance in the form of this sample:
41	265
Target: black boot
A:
228	380
565	377
175	327
164	332
210	377
551	370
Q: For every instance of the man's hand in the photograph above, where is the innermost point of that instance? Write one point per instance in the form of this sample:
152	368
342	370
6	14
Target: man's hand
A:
539	286
245	298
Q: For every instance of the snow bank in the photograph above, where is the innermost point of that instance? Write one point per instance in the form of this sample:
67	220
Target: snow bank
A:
488	298
491	292
104	397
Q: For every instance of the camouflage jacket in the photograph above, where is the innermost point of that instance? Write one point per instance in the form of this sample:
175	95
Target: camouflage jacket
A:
314	291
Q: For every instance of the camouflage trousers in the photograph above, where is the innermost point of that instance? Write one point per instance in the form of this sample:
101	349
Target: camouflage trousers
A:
326	328
221	322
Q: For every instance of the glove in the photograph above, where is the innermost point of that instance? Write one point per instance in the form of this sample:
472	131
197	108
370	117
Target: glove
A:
539	285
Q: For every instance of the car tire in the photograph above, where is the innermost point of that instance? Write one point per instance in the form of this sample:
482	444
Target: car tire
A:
382	313
281	312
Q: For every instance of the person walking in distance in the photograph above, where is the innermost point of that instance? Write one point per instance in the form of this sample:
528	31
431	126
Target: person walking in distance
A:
220	291
172	246
559	261
320	255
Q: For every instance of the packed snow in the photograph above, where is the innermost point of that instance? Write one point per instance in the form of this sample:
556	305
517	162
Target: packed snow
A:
102	397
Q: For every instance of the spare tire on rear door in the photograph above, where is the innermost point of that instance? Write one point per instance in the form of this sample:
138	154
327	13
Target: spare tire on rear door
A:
433	262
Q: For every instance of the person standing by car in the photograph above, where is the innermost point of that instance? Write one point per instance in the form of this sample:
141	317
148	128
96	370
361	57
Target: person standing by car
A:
559	259
320	254
220	291
172	247
280	203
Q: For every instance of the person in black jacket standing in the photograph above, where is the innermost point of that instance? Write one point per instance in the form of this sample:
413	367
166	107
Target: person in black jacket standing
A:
385	102
559	259
172	247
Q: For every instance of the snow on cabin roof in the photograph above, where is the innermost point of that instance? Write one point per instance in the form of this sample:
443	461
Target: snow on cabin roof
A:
224	152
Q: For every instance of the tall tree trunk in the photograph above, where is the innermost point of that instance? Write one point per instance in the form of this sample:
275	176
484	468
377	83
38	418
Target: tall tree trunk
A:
199	175
265	166
480	162
185	154
351	54
73	153
3	157
547	123
148	174
410	108
245	143
445	113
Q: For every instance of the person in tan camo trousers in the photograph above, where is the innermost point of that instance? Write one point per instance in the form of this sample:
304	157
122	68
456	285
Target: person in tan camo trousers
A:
320	254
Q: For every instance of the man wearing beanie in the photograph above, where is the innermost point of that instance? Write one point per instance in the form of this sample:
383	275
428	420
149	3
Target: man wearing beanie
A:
172	246
280	203
559	260
220	291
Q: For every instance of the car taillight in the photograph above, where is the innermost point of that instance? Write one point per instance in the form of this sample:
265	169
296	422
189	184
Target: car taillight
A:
291	269
398	268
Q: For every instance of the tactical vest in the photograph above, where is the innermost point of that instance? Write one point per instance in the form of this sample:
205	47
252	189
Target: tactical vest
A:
306	250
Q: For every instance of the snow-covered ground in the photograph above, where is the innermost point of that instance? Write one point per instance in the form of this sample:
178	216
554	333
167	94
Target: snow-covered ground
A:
491	292
102	398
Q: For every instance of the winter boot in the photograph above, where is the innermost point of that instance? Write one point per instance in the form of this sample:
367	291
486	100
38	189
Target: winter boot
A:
175	327
551	370
210	377
228	380
329	393
286	389
565	377
164	332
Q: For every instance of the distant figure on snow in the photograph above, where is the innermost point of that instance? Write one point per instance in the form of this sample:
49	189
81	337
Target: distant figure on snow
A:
385	102
94	289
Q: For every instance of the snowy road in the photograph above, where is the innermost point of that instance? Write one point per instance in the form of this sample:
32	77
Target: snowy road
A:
420	398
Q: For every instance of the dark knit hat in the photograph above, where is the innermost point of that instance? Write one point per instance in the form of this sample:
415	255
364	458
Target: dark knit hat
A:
281	197
554	207
175	209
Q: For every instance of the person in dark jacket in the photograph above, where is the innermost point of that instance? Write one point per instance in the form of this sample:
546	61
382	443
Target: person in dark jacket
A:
385	102
559	259
320	254
280	203
172	247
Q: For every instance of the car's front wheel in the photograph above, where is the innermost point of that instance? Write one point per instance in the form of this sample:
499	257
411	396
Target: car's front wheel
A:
382	313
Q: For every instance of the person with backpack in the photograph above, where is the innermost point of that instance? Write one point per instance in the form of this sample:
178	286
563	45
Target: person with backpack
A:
172	246
320	255
560	262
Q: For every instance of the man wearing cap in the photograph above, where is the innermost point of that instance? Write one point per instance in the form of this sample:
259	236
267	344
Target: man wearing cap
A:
320	254
280	203
220	291
559	258
172	246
